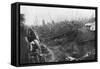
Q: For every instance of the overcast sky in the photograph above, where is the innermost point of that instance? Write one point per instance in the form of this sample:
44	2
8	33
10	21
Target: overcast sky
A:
35	14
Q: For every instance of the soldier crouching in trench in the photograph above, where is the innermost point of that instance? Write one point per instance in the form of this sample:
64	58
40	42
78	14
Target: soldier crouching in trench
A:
38	52
34	47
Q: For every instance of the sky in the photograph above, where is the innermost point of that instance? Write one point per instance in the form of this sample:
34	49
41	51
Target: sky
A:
35	14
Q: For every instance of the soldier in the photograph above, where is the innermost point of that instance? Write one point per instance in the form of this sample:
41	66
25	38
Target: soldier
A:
34	47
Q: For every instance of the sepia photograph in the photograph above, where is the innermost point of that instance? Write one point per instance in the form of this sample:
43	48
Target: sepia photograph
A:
55	34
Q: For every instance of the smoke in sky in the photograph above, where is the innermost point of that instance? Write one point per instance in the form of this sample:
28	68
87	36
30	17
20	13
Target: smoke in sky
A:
35	14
